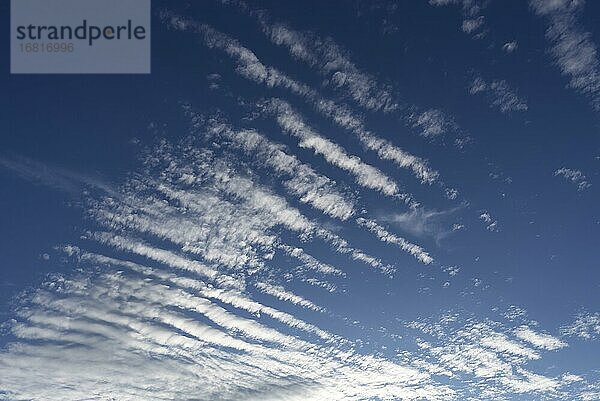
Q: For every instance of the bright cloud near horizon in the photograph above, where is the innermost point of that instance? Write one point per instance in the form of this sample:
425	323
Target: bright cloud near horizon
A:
311	201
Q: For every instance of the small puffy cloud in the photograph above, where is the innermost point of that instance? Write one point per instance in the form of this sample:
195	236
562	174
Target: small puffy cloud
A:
491	223
451	270
510	47
574	176
457	227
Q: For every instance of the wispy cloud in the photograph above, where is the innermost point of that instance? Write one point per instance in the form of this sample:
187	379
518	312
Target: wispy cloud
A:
365	174
55	177
499	94
281	293
330	60
572	48
432	123
471	25
301	179
424	223
74	329
249	66
413	249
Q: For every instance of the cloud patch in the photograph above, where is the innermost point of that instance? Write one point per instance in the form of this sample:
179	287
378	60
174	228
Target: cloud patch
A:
576	177
499	95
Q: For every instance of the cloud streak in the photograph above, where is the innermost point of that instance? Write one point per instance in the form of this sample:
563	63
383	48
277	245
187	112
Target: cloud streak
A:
249	66
572	48
499	94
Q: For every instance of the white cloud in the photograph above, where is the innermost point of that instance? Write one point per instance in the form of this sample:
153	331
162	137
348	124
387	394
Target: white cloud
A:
331	60
485	355
432	123
470	25
491	223
424	223
572	47
335	63
281	293
365	174
586	326
419	253
74	330
230	297
179	322
302	180
510	47
499	94
249	66
540	340
574	176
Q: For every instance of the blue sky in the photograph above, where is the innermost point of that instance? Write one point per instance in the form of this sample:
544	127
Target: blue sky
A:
310	200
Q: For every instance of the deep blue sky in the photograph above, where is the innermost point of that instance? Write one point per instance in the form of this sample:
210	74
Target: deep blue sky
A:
82	154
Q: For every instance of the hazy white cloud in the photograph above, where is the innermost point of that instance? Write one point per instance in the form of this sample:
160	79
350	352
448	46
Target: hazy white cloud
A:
499	94
574	176
424	223
55	177
471	25
572	46
510	47
432	123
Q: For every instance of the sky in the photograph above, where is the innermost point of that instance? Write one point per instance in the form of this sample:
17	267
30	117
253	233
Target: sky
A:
341	200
